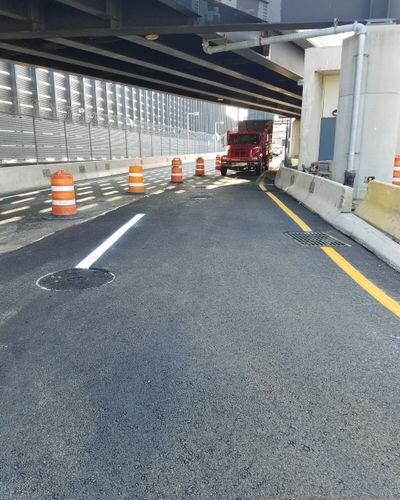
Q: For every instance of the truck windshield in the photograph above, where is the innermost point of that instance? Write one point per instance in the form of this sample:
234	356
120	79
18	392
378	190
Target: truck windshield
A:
243	139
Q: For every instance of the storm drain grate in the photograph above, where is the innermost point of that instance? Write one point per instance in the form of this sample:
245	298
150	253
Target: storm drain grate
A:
315	239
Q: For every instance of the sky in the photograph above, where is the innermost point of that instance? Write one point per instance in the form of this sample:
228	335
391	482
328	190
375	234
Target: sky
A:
232	112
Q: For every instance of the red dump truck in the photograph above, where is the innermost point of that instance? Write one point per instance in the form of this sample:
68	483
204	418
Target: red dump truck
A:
249	148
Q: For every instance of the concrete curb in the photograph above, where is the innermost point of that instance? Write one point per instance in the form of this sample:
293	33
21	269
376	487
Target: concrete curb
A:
369	237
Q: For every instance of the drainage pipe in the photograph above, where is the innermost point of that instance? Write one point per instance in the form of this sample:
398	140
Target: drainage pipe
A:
358	29
355	113
290	37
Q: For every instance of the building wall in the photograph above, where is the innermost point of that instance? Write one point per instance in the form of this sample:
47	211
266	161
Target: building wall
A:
330	85
320	94
379	134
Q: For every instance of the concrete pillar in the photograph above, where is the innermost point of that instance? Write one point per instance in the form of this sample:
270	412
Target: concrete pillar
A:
379	132
318	95
294	149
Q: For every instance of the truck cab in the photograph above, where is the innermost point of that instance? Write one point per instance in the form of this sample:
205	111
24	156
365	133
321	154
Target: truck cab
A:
248	148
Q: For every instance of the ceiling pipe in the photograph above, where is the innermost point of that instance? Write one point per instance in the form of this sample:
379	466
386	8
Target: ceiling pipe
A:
289	37
357	28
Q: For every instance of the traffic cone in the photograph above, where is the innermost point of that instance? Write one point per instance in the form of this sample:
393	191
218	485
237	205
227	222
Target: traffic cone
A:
176	171
396	171
62	194
218	163
200	167
136	180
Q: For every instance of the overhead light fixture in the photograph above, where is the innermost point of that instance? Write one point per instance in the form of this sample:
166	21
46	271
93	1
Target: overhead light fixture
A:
220	99
152	37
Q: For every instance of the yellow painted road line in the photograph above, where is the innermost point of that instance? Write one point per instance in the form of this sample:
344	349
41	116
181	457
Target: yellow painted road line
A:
362	281
289	213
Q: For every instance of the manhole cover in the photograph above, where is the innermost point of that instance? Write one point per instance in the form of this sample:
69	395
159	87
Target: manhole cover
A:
75	279
315	239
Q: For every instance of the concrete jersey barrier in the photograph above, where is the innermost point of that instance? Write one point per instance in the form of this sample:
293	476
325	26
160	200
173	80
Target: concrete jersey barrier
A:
381	208
325	197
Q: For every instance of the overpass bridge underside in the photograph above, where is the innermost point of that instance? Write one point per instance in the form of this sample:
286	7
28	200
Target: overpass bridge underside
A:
158	43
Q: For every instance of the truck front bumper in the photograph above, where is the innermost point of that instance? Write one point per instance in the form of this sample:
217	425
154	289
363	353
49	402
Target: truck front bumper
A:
239	165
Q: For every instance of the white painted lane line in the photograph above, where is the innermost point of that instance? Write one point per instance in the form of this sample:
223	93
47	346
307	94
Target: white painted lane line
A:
12	219
100	250
12	211
110	192
87	207
81	193
88	198
30	193
22	201
21	195
114	198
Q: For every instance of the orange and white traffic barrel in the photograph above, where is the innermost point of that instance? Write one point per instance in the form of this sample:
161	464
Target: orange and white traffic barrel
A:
218	163
200	167
136	180
176	171
62	194
396	171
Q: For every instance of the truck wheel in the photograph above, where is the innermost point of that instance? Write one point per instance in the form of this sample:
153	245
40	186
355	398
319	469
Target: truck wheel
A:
223	171
258	169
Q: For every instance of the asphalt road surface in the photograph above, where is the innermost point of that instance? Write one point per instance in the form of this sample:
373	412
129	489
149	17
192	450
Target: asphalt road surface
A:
225	361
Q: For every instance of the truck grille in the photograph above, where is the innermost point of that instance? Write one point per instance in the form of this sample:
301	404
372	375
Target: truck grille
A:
240	153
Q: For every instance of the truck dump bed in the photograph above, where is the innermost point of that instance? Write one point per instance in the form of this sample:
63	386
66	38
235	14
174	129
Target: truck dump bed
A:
255	126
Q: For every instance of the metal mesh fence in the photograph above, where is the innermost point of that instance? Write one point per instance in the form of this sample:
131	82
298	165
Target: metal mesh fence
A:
49	116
